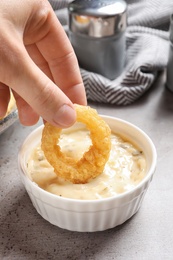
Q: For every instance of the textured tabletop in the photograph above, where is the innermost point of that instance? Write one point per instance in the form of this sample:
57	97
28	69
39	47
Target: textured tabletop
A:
147	235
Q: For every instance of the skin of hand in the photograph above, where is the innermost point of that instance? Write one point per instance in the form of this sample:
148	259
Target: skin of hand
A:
38	64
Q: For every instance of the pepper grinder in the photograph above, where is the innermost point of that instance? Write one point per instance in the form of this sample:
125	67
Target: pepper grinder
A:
97	34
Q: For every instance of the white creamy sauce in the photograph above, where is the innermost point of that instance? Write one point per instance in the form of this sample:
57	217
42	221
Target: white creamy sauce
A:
125	168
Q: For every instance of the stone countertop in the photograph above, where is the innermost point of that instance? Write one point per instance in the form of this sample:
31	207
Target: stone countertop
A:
147	235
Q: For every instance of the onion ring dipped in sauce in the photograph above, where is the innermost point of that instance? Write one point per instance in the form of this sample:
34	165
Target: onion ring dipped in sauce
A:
93	160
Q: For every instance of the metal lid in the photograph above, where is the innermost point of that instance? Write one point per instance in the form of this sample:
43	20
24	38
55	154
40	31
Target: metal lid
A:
97	18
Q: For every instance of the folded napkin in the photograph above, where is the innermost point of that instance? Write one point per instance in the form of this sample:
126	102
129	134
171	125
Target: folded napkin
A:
147	48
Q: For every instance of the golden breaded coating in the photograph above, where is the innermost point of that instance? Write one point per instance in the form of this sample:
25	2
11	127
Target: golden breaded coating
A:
93	161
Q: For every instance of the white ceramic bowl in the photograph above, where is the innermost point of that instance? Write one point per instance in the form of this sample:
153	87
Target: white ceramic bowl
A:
90	215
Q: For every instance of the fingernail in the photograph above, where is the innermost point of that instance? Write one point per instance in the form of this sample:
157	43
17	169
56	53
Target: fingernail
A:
65	116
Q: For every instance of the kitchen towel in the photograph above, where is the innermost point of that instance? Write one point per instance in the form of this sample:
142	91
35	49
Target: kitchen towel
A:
147	50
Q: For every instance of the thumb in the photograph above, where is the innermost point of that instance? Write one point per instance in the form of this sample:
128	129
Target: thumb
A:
40	93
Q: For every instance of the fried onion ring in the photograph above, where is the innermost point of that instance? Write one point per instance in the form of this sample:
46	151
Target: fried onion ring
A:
93	161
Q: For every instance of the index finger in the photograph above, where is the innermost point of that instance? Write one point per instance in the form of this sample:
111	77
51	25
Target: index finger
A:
56	48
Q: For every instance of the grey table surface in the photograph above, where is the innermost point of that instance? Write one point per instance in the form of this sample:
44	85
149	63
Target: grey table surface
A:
147	235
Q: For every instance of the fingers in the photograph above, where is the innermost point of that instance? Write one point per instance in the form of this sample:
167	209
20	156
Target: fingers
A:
45	98
45	78
39	60
4	99
27	115
56	49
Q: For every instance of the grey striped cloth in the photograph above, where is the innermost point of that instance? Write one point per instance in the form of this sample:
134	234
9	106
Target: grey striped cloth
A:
147	39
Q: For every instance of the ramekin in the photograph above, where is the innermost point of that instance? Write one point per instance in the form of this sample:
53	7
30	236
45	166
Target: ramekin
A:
90	215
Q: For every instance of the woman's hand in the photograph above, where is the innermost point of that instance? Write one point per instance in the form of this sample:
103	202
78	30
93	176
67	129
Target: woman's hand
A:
38	63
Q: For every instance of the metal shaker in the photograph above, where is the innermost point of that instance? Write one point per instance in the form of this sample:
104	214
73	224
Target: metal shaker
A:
169	81
97	33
